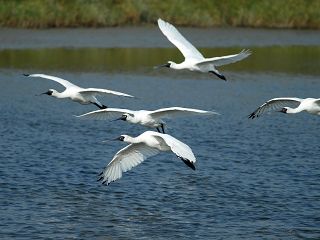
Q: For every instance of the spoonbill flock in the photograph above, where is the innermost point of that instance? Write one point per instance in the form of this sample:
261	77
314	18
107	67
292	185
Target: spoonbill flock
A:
151	143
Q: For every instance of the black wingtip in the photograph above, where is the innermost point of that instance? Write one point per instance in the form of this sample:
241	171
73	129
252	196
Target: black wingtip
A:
100	179
106	183
188	163
27	75
252	116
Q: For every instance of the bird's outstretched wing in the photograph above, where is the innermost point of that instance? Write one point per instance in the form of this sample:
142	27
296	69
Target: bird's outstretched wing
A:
182	150
178	112
63	82
274	105
219	61
127	158
175	37
99	91
105	114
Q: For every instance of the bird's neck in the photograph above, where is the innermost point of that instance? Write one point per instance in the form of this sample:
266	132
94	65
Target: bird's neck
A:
294	110
132	119
57	94
129	139
176	66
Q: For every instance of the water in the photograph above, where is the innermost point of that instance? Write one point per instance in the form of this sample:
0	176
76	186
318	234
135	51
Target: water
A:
255	179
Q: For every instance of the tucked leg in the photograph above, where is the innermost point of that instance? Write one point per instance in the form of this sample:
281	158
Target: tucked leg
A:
101	107
162	127
219	75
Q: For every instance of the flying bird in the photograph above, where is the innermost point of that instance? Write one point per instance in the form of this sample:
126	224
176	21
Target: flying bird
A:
152	119
76	93
309	105
142	147
194	60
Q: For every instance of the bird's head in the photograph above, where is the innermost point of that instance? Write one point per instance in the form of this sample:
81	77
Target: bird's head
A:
284	110
50	92
124	117
168	65
123	138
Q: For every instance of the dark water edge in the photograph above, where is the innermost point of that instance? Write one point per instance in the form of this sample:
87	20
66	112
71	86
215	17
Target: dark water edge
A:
151	37
255	179
281	59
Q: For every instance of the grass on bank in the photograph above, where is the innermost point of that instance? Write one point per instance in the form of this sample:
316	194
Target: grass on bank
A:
199	13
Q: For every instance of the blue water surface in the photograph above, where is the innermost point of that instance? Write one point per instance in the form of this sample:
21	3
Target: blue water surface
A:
255	179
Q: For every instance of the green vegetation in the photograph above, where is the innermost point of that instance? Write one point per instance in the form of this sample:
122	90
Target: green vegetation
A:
200	13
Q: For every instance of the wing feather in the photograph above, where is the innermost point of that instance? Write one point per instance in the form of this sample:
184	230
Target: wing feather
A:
99	91
105	114
182	150
125	159
175	37
274	105
179	112
219	61
63	82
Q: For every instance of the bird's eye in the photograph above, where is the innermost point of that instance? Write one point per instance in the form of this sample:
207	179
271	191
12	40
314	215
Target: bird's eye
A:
121	138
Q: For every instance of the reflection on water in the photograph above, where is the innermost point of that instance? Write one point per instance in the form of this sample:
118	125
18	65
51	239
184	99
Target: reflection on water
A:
288	59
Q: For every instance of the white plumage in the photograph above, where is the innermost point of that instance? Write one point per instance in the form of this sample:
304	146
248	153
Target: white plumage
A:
194	60
76	93
152	119
309	105
142	147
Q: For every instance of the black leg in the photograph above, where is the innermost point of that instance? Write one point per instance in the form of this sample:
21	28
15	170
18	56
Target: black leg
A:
101	107
218	75
162	127
158	130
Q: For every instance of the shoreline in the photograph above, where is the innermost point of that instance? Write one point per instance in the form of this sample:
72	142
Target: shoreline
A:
151	37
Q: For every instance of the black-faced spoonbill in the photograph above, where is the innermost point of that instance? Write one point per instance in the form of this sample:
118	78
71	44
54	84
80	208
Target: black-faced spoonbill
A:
194	60
309	105
76	93
152	119
142	147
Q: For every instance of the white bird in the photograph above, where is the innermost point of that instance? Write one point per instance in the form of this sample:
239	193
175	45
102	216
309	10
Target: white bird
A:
152	119
309	105
194	60
76	93
142	147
